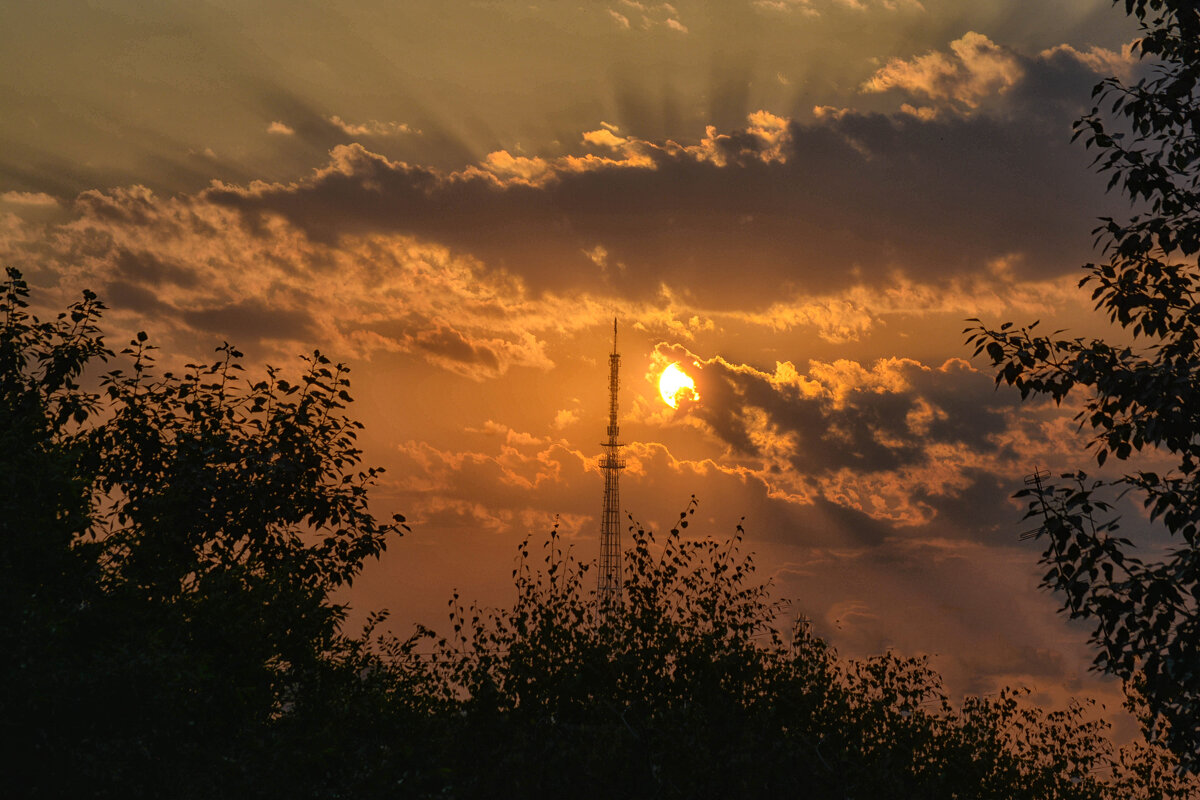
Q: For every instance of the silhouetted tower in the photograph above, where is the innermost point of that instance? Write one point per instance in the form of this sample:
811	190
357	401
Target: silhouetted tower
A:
611	463
1036	483
1052	505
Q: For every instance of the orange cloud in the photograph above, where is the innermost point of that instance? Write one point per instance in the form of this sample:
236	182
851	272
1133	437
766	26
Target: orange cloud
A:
894	440
605	137
565	418
372	127
620	19
28	199
810	8
1099	60
975	68
651	15
477	271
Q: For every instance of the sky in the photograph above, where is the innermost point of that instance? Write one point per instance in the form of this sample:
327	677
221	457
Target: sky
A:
800	202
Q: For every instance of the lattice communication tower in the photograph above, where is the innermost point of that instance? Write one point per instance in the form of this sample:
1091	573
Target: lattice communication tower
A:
611	463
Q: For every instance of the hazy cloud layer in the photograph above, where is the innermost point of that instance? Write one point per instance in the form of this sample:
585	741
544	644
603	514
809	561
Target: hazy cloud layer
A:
975	71
842	199
798	200
824	224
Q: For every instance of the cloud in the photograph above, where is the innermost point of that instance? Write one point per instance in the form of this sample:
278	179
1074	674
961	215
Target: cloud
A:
252	320
648	16
787	6
598	256
605	137
447	344
813	208
194	272
36	199
565	418
887	5
810	8
620	19
207	154
510	169
895	440
1100	60
976	71
975	68
508	482
920	112
837	319
186	267
372	128
845	217
852	314
971	606
280	129
843	414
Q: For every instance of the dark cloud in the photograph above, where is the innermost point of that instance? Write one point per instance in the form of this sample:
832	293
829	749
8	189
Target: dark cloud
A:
132	297
251	320
845	416
972	410
849	200
1058	84
449	343
983	509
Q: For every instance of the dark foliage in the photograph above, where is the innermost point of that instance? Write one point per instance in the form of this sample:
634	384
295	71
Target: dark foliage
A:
1139	397
687	690
168	545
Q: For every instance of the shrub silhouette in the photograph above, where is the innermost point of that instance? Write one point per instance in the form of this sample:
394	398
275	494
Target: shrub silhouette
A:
168	546
687	689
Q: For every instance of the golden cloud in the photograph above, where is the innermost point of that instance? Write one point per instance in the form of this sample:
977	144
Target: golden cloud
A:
975	68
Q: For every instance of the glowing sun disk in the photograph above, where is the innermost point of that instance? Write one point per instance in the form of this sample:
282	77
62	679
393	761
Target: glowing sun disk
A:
673	383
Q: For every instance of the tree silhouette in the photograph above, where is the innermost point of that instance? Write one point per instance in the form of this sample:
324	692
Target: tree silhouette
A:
688	690
169	546
168	549
1137	398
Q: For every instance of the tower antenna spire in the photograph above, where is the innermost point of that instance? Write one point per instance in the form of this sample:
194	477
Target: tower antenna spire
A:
611	463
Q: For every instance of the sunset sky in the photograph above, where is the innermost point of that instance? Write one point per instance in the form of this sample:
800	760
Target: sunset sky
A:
800	201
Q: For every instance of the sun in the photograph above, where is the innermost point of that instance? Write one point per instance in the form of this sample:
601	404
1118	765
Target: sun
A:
675	383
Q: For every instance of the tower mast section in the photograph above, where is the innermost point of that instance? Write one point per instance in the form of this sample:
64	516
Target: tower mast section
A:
612	462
